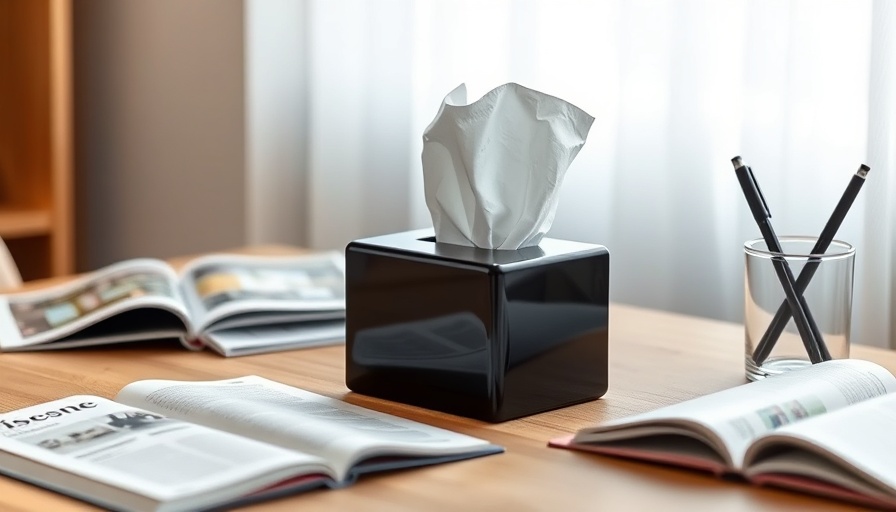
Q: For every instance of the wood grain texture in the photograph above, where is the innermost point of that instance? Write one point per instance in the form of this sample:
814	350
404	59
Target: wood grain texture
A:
36	164
62	261
656	359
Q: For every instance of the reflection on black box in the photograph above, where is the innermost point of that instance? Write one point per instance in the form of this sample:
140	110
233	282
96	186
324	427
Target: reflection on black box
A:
487	334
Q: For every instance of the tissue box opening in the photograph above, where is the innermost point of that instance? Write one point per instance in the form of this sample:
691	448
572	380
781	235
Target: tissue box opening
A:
488	334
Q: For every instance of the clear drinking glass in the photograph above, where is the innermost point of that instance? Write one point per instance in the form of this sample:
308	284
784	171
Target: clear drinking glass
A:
828	281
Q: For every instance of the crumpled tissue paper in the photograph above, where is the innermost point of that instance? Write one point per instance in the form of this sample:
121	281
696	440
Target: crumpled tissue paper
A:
492	169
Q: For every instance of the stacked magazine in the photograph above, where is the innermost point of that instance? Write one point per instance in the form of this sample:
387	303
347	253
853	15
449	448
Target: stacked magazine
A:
166	445
233	304
826	429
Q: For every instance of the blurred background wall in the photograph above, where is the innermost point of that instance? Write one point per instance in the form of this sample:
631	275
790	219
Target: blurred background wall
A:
190	126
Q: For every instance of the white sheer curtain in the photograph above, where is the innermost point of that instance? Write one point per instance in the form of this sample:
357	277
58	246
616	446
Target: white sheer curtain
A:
804	90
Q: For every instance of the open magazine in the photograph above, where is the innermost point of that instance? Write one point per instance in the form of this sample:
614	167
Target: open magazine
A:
174	445
827	429
234	304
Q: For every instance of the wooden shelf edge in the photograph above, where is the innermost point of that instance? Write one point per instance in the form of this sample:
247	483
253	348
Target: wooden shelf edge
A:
22	223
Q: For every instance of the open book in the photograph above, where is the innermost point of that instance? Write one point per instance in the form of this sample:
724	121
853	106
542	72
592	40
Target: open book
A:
829	429
173	445
236	305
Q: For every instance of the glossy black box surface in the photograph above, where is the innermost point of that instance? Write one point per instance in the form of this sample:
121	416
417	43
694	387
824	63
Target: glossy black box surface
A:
487	334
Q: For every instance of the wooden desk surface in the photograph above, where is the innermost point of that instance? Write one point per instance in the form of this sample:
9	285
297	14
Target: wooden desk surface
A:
656	359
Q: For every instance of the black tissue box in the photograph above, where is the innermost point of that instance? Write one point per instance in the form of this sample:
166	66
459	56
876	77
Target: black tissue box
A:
488	334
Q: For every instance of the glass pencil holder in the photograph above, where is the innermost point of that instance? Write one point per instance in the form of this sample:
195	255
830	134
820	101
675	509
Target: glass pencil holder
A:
773	341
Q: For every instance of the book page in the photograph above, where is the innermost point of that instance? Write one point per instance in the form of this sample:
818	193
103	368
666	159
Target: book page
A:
37	317
101	450
851	448
220	287
730	420
340	433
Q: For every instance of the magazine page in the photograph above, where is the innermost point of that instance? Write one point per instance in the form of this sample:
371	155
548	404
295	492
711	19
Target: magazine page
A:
728	421
254	290
242	321
46	316
341	433
851	448
275	337
123	457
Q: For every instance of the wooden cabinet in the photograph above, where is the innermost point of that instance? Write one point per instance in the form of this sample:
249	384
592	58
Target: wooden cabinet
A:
36	176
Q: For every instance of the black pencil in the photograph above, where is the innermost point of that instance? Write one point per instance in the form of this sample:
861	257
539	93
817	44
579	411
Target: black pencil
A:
782	316
805	324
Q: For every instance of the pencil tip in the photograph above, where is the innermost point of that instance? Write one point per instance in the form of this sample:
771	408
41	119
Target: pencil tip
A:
863	171
737	162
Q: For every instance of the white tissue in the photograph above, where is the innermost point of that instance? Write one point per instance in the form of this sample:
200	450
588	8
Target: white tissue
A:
492	169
